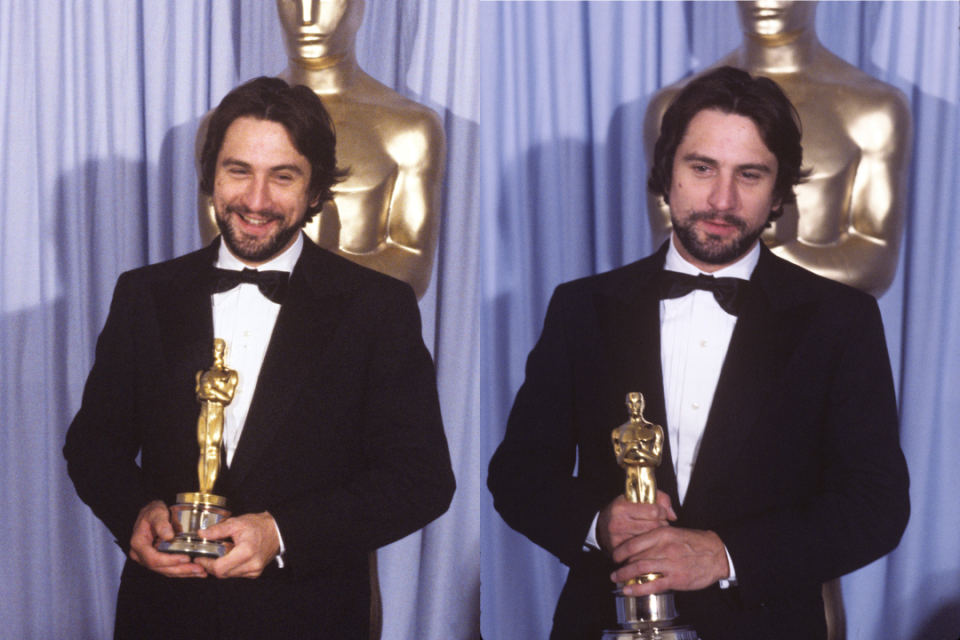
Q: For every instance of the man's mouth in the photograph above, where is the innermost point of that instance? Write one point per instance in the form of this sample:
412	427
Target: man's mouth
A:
254	219
718	221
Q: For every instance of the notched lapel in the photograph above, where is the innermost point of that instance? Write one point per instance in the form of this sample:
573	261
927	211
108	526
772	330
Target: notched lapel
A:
185	321
307	321
630	327
765	337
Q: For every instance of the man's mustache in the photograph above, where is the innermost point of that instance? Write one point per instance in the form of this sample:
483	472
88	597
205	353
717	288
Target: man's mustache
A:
240	209
713	216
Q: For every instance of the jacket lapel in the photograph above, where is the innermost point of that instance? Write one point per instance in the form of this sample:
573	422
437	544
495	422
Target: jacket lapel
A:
766	335
630	325
307	320
185	325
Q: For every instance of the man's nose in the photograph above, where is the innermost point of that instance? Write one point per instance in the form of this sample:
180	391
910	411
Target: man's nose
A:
723	195
257	195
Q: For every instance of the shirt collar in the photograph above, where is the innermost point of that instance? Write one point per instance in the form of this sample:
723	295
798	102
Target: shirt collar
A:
742	268
283	262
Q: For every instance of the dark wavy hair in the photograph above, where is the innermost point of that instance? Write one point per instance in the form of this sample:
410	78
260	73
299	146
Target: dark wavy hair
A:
734	91
300	112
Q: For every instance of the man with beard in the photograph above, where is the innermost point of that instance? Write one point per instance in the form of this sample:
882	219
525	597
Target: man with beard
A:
333	442
781	468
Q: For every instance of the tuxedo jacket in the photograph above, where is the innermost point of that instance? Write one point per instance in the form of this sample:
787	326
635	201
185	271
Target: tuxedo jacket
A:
799	470
343	443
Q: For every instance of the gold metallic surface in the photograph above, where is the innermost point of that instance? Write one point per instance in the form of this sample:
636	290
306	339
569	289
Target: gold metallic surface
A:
215	389
638	445
857	133
386	214
201	498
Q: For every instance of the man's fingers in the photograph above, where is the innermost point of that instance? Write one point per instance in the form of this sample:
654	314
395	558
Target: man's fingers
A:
255	545
621	520
664	501
688	559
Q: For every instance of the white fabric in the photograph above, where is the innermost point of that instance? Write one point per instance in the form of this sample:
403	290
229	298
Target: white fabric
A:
694	335
245	318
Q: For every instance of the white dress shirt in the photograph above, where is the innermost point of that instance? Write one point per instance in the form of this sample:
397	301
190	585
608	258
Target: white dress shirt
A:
694	336
245	318
695	333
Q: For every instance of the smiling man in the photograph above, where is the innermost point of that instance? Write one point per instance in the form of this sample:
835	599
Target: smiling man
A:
330	365
781	468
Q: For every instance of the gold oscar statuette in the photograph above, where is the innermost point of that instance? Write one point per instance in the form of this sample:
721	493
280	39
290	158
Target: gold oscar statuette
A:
202	509
638	445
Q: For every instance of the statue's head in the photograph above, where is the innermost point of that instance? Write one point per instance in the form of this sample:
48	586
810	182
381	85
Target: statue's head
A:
318	29
775	17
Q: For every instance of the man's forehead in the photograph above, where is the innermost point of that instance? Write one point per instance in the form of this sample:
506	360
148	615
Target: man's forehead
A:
721	131
249	138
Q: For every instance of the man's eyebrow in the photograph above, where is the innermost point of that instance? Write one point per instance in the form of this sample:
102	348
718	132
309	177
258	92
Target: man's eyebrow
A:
235	162
696	157
750	166
287	167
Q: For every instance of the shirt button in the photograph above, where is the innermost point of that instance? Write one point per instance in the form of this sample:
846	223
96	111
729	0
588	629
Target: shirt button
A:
695	406
246	334
703	343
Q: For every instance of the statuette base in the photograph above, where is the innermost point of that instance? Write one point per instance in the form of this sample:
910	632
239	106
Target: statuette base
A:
195	511
648	618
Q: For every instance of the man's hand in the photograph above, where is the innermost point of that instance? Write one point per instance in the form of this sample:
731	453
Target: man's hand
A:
255	545
688	559
152	525
621	520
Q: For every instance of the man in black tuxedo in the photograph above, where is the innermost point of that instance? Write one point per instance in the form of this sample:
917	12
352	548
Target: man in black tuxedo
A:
782	467
333	441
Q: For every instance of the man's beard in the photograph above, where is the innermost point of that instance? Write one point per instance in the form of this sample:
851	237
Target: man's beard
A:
248	248
713	249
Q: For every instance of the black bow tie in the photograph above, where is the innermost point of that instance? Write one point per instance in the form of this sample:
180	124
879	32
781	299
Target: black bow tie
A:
728	291
272	284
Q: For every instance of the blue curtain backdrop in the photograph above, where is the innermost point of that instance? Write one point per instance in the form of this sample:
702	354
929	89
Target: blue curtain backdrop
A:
566	85
541	102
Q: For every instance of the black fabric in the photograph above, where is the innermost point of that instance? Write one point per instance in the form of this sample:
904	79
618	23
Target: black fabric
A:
343	443
799	471
272	284
729	292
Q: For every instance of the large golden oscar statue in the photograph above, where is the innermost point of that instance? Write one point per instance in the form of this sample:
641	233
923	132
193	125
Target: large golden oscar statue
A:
857	133
386	214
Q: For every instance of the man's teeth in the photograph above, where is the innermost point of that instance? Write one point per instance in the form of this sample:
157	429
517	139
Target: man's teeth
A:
254	221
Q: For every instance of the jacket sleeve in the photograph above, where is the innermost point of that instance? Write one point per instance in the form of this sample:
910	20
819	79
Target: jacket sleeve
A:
860	505
532	473
403	477
103	441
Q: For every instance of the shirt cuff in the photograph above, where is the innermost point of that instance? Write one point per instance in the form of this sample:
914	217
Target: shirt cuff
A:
591	541
731	580
283	548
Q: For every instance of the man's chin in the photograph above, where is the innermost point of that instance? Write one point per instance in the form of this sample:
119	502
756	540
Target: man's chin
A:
714	250
257	250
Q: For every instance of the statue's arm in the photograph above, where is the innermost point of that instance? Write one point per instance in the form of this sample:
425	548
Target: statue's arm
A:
413	216
866	253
